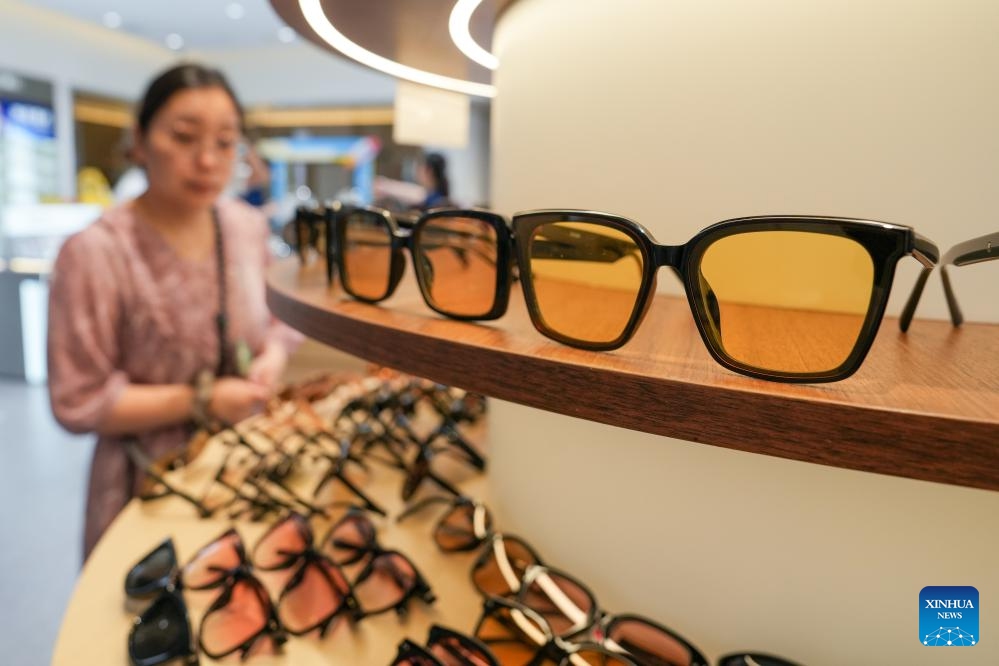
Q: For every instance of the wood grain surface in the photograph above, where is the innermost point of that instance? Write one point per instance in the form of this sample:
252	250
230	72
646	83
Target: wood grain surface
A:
925	404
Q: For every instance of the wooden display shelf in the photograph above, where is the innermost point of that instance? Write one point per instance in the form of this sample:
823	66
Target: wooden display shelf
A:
925	405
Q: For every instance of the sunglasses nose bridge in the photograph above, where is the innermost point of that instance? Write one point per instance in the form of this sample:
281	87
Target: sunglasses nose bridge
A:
667	255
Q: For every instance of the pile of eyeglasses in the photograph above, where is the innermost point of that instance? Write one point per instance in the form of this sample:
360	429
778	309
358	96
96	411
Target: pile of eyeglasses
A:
783	298
311	453
346	574
533	613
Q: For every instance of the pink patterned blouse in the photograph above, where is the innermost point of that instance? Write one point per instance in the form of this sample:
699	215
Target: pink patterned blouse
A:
125	308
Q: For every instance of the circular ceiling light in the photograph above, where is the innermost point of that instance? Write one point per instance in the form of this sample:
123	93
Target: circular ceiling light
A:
112	20
286	34
458	26
235	11
174	41
314	15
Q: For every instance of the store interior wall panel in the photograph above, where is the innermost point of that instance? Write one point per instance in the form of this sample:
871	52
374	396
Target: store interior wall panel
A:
682	113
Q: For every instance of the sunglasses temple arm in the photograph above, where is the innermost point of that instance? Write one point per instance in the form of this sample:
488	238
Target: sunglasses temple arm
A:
421	505
142	461
928	254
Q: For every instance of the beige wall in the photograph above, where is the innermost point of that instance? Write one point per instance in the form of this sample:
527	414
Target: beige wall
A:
680	113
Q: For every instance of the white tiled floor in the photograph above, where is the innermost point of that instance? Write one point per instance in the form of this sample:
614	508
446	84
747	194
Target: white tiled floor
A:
43	474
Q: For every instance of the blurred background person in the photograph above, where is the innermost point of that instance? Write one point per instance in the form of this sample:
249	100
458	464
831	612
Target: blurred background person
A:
157	319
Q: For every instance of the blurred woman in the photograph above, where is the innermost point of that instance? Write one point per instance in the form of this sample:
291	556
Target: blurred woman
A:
154	305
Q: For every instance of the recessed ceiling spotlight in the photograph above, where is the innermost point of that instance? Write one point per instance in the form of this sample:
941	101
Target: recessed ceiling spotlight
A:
286	34
315	16
174	41
112	20
235	10
461	35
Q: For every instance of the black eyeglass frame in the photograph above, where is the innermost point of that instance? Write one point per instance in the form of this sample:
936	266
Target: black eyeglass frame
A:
974	251
405	235
885	243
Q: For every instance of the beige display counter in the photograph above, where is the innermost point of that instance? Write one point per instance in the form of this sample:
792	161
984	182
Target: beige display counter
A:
95	626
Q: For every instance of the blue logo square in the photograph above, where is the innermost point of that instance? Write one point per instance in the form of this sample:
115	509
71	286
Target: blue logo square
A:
948	616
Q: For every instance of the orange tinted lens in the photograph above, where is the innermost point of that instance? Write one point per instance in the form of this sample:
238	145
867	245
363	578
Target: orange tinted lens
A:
512	635
586	278
502	570
463	527
231	626
319	593
456	262
367	254
210	565
787	301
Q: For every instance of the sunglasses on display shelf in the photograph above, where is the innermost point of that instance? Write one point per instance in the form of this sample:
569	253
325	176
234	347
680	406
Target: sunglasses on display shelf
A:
461	258
154	484
568	613
316	592
312	225
161	634
350	472
556	617
241	618
783	298
517	634
467	525
974	251
445	647
387	579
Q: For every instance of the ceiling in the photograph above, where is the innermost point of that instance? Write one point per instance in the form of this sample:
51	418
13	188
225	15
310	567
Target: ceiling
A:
413	33
203	24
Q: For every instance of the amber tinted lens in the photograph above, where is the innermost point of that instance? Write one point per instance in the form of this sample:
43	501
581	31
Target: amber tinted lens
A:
463	527
646	643
586	279
456	263
511	635
282	544
500	572
367	254
229	627
787	301
391	579
316	593
562	602
209	566
452	649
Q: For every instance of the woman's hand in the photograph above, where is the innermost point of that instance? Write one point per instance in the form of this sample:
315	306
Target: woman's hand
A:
267	369
235	399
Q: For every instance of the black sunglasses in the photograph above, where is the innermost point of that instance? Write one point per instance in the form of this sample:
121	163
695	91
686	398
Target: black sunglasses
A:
461	258
783	298
162	633
974	251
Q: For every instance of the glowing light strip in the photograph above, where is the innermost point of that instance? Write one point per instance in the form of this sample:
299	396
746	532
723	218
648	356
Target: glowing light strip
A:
458	26
314	15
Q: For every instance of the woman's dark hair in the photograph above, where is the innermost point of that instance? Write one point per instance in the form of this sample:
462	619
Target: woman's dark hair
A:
176	79
438	170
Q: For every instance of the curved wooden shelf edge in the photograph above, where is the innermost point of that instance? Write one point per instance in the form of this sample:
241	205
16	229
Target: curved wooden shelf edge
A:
794	422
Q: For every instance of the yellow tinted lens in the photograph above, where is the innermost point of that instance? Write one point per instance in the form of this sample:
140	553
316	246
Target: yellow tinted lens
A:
456	262
787	301
586	278
367	254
